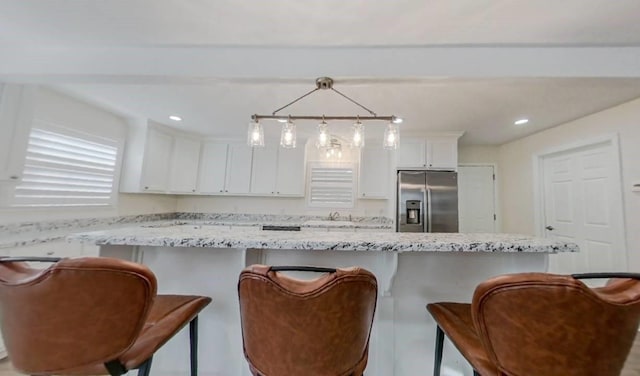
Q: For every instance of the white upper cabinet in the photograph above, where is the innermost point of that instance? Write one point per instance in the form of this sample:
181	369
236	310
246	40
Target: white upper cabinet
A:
375	169
213	168
16	116
412	153
277	171
184	165
264	170
157	158
238	168
291	168
432	153
442	154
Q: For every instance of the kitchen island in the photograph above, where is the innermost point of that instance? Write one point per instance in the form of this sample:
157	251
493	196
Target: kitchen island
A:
412	269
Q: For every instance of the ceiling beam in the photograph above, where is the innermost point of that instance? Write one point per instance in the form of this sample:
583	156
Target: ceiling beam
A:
65	64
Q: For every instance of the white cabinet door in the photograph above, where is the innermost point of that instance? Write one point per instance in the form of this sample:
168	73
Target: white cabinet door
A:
16	117
184	165
213	167
264	170
442	154
291	170
157	158
411	153
374	173
238	168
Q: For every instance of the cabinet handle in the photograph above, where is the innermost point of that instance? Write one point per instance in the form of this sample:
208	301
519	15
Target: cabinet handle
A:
50	253
278	192
193	190
226	190
146	187
14	177
272	192
363	194
221	190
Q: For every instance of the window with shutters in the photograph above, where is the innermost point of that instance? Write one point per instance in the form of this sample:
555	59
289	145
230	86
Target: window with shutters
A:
331	185
66	168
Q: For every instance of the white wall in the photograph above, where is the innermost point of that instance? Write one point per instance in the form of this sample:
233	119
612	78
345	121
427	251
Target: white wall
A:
478	154
276	205
516	166
62	110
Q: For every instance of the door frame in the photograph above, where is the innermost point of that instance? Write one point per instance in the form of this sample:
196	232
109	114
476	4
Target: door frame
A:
538	179
497	225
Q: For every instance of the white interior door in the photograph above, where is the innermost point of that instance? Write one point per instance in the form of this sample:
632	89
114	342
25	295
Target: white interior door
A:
476	199
583	204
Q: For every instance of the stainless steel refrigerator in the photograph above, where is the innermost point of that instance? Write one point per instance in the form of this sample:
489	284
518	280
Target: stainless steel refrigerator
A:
427	201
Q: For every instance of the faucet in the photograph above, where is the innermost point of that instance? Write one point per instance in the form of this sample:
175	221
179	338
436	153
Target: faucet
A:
333	216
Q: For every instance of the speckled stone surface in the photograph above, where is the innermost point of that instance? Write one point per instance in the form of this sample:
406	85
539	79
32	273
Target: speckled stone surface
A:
29	233
249	237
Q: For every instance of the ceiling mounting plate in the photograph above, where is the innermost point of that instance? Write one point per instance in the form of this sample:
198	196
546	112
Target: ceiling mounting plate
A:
324	83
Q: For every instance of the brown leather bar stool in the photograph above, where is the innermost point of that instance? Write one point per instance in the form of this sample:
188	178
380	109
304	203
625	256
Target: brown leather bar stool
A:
543	324
89	316
317	327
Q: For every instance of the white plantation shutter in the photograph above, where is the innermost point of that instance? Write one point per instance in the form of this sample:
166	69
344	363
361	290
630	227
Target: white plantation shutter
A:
67	170
331	186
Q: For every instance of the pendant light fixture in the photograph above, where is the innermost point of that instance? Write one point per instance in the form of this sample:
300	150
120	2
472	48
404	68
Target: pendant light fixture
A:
255	134
391	136
323	135
358	135
288	135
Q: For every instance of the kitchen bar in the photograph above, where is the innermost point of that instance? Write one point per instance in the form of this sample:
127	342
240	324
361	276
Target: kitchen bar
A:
412	269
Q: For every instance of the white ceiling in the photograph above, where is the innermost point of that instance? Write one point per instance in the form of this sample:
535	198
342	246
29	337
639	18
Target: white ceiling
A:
216	62
484	108
318	22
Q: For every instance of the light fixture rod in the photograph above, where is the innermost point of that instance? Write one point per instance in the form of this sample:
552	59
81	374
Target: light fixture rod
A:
292	117
354	102
294	101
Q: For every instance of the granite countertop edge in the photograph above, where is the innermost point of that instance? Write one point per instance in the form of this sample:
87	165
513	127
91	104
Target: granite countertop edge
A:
251	238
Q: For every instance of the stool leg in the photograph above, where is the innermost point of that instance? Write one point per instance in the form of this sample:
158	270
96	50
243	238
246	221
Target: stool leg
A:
193	339
475	373
439	345
145	368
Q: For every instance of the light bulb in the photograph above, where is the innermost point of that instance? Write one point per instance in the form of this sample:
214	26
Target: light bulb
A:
255	134
358	135
391	137
288	135
323	135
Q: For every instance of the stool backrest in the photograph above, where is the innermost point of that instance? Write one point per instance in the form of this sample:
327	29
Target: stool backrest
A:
545	324
306	327
75	313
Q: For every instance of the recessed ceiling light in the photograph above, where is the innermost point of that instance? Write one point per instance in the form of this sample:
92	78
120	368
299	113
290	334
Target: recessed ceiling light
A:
521	121
175	118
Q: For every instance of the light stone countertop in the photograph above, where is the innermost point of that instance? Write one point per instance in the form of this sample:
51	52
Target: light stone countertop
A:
190	235
24	234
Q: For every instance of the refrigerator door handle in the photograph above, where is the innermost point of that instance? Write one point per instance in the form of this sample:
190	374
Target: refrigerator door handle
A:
426	219
429	228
